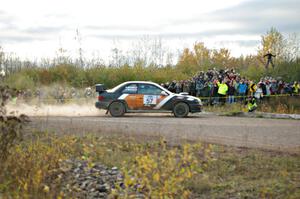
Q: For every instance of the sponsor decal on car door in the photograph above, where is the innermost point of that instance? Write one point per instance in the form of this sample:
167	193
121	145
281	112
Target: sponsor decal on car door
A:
129	94
148	102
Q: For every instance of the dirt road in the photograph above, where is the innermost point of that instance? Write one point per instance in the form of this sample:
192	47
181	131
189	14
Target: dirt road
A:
275	134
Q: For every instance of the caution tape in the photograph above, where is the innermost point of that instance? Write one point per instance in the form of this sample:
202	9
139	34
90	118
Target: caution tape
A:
245	96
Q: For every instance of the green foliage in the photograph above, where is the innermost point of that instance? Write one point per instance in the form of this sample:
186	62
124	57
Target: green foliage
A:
289	71
20	81
253	73
78	77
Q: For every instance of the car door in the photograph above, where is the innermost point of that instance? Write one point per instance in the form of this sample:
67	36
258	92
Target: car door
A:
148	96
129	95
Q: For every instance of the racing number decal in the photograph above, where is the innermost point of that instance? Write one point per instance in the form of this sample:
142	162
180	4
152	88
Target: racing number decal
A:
150	100
139	101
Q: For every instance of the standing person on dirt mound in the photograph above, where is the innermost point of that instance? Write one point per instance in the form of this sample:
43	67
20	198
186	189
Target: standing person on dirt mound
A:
269	59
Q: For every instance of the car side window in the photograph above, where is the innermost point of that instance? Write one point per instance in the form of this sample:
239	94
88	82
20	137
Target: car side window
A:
130	89
148	89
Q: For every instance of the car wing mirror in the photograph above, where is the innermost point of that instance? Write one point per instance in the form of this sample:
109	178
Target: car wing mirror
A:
164	93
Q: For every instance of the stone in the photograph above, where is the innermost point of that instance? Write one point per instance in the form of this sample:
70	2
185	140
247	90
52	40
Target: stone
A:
102	188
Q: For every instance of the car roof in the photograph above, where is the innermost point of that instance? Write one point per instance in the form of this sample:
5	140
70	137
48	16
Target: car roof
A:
142	82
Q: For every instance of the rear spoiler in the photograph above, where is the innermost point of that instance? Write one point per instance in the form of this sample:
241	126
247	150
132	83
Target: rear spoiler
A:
100	88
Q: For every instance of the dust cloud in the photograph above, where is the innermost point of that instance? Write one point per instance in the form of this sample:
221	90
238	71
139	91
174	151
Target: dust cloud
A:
88	109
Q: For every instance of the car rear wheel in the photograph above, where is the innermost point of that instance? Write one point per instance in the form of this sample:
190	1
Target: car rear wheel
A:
116	109
181	109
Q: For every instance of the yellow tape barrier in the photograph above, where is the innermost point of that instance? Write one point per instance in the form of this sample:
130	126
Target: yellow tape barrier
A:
245	96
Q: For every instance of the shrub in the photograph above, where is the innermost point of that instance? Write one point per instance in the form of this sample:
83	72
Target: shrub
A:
164	172
20	81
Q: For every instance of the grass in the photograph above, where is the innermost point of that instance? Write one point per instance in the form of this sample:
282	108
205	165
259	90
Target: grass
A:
195	170
287	105
249	173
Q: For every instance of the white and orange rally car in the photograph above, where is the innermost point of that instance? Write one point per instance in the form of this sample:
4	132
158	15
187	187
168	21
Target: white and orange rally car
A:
143	96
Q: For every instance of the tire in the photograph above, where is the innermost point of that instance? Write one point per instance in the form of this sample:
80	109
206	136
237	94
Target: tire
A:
117	109
181	109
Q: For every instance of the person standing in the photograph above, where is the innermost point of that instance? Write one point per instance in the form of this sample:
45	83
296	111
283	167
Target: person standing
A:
214	93
259	93
222	91
199	86
178	87
269	59
242	88
206	91
274	87
268	90
231	92
192	87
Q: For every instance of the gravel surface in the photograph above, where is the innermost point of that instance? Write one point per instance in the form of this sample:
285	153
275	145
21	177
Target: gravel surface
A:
273	134
81	180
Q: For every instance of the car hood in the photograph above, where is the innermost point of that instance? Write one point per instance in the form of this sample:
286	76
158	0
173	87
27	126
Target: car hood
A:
188	97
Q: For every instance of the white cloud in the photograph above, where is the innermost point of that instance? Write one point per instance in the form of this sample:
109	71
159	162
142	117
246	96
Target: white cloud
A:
33	28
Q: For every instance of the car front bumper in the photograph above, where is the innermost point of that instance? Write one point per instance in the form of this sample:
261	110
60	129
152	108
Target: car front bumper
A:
194	108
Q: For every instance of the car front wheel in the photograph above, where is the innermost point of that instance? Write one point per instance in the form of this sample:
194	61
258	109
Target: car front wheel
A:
181	109
116	109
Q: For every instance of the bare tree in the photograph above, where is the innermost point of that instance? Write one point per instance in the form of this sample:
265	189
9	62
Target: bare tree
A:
292	47
78	38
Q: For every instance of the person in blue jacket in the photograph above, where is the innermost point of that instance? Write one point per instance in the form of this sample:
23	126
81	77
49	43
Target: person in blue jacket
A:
242	89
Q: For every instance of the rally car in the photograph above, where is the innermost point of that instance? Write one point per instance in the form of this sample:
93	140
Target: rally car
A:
144	96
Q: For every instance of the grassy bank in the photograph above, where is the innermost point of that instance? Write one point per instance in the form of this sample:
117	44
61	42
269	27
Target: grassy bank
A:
195	170
286	105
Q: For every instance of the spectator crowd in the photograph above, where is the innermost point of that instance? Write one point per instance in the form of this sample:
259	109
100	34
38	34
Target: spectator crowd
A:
226	85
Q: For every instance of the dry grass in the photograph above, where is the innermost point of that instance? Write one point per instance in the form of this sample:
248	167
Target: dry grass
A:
190	170
287	105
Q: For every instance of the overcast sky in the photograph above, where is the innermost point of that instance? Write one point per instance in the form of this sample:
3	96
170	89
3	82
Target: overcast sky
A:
37	28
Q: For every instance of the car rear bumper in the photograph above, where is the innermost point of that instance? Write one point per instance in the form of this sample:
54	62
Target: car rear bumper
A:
100	105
